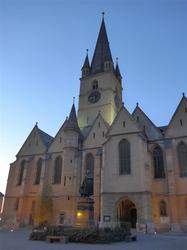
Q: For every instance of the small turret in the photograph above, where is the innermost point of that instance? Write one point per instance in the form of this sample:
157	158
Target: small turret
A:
117	70
86	66
72	123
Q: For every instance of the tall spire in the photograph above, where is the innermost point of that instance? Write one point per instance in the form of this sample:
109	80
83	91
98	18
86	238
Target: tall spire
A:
102	51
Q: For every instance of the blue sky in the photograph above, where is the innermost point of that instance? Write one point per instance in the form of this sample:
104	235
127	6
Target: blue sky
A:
43	45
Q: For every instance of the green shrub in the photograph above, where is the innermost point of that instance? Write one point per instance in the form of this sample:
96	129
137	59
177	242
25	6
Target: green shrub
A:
84	235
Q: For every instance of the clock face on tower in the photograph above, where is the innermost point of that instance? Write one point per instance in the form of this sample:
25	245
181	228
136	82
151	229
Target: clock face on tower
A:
94	97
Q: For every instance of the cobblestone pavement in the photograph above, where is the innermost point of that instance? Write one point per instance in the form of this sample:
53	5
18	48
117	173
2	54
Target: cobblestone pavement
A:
18	240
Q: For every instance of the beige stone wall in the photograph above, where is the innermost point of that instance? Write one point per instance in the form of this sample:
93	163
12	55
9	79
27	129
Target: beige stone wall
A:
111	180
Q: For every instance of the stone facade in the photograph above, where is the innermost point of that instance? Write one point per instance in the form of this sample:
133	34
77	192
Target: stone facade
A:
80	168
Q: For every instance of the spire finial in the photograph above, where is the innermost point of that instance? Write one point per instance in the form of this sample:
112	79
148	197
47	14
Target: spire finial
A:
73	99
116	60
103	14
36	123
137	104
86	51
183	94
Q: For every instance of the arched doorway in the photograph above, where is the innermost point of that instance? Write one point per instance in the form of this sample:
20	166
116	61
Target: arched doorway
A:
126	212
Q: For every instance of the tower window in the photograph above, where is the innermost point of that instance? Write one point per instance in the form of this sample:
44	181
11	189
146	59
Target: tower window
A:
124	124
21	173
64	180
60	139
95	85
61	218
181	122
94	135
103	134
163	208
99	124
57	170
124	157
182	158
185	109
16	204
158	163
137	119
38	172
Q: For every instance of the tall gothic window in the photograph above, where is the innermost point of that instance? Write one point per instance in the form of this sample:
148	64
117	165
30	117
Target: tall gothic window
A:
182	158
89	165
38	171
163	208
57	170
124	157
21	172
158	162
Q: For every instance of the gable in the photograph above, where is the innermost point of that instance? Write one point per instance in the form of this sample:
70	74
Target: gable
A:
58	142
178	124
96	136
123	123
34	143
146	124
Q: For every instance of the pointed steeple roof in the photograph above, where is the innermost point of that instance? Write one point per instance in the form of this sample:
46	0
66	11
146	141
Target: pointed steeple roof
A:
117	70
86	62
102	51
72	120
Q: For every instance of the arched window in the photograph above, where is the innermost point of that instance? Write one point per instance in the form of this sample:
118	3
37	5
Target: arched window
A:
38	171
158	162
163	208
89	165
16	204
21	172
57	170
182	158
87	187
124	157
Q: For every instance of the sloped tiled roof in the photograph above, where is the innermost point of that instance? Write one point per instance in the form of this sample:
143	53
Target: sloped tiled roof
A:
46	138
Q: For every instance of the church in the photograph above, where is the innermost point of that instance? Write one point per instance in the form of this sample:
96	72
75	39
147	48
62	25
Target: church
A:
105	166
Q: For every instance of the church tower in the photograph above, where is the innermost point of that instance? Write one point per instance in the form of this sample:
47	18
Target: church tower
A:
100	84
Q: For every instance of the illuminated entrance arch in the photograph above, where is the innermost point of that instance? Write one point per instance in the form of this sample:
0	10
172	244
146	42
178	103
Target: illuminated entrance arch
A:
126	212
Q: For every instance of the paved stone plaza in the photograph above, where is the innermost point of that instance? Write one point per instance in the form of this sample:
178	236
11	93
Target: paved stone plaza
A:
18	240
